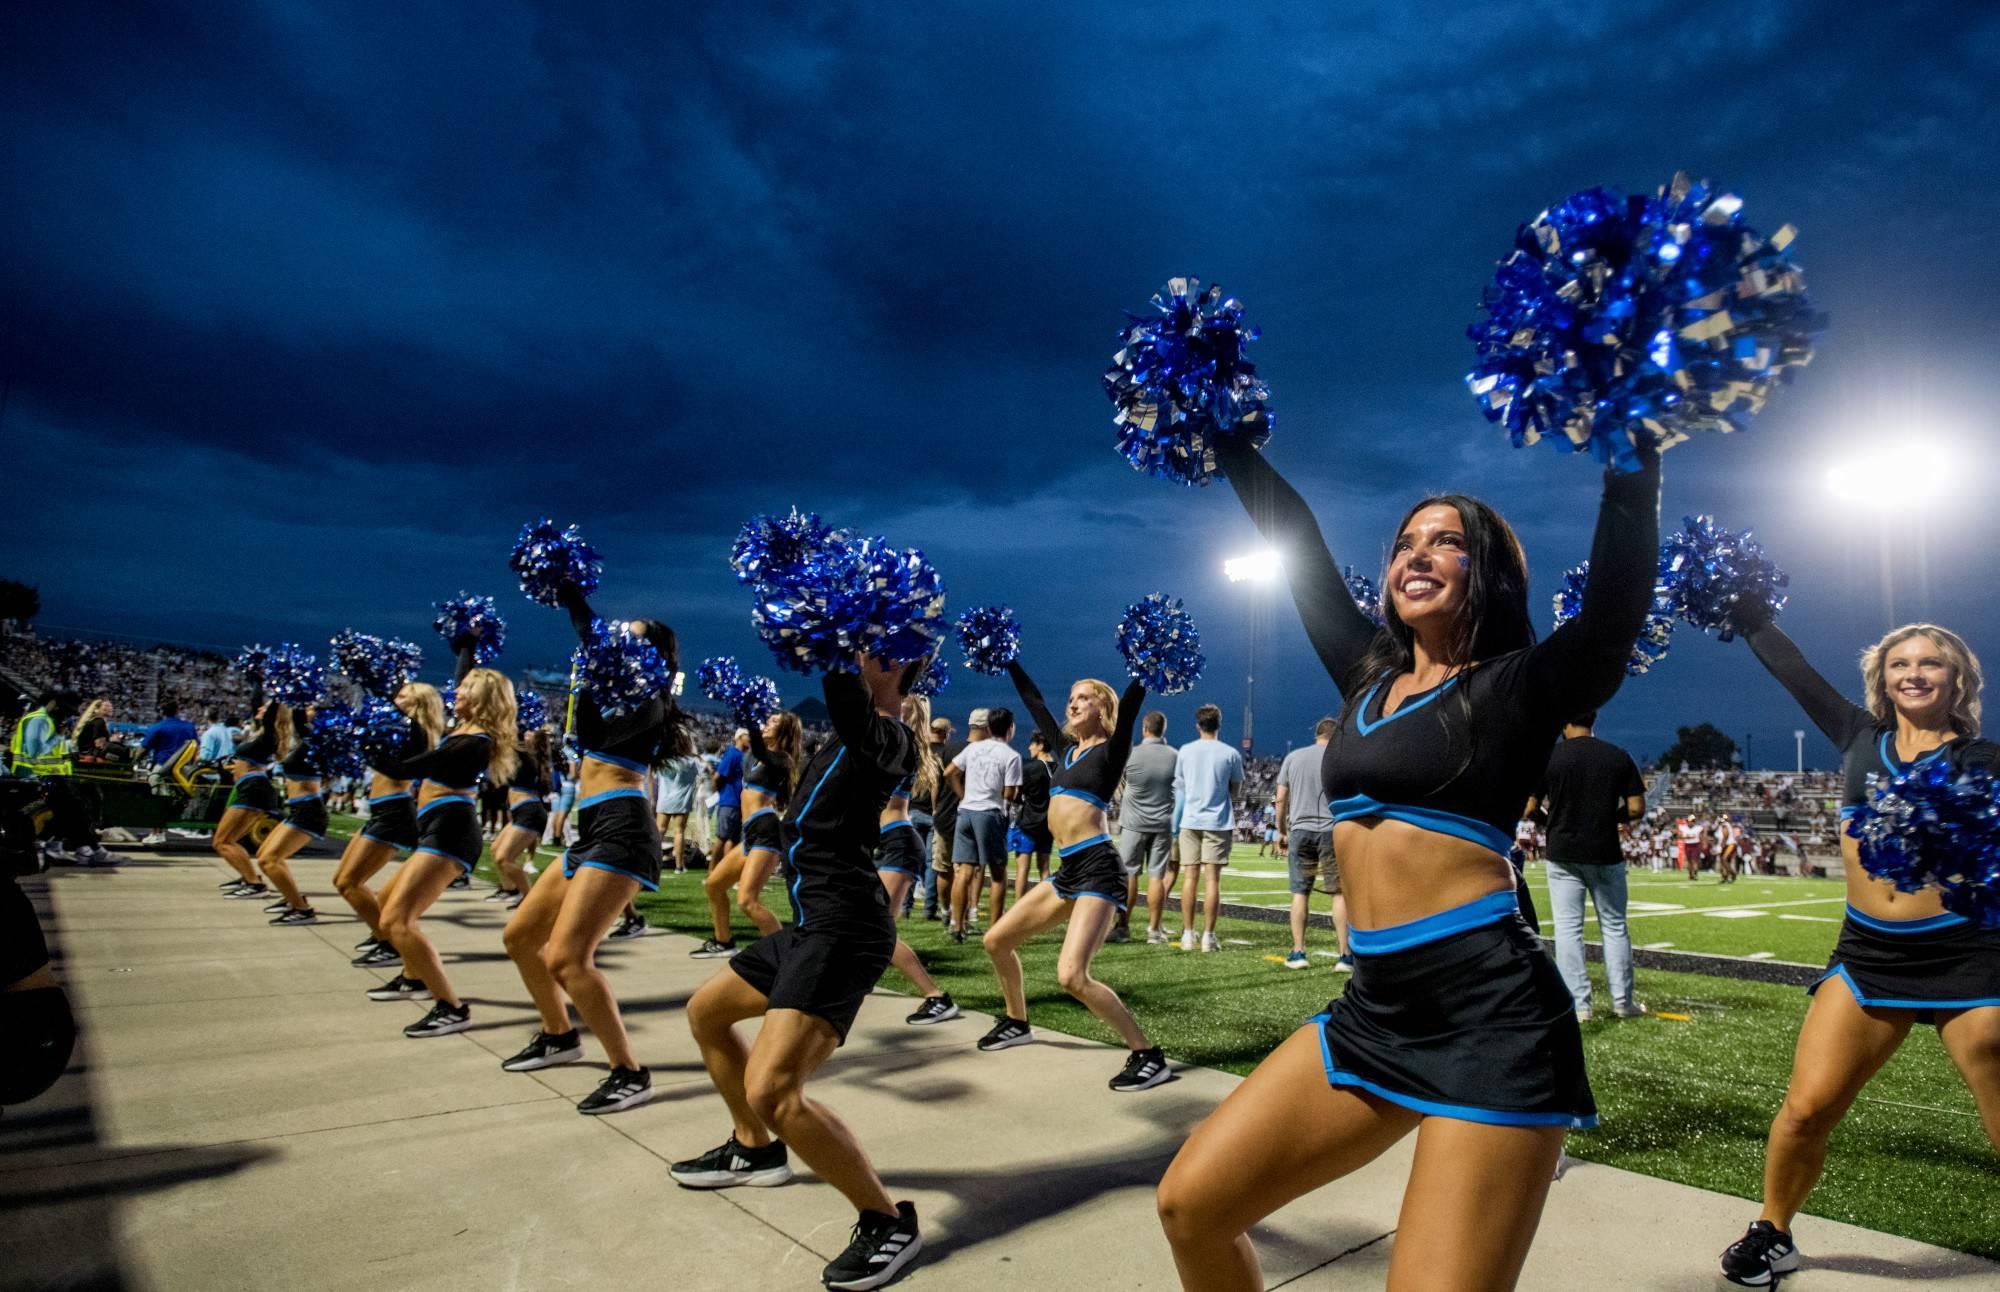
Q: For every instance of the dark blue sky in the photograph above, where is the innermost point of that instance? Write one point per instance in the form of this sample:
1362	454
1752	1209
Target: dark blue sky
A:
307	308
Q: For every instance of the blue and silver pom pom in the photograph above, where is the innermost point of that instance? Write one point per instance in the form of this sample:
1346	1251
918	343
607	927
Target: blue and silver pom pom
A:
382	731
545	558
333	741
781	550
990	638
1935	827
250	661
377	665
825	596
292	675
1367	598
719	676
936	677
619	670
754	701
1157	637
531	711
1656	317
1720	580
1655	636
1182	381
477	617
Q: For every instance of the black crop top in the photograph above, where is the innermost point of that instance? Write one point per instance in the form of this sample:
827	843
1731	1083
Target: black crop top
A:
1463	757
456	763
1092	774
631	741
766	770
836	814
302	764
1867	746
262	747
530	776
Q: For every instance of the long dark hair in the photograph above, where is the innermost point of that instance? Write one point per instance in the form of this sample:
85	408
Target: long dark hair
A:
675	737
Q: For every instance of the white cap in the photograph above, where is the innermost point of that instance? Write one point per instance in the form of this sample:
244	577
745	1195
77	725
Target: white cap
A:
978	718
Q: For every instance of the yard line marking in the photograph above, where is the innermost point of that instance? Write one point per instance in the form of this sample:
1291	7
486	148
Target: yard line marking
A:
1741	906
1238	942
1656	946
1816	919
1727	914
1760	955
1654	906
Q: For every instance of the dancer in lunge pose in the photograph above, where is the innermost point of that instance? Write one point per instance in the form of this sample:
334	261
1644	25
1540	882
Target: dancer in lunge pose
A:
1902	959
769	771
1088	888
482	739
553	937
1456	1024
391	827
252	797
900	859
304	822
527	816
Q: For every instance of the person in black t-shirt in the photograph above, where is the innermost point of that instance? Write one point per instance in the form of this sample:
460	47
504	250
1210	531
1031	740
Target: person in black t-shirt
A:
1033	821
1590	788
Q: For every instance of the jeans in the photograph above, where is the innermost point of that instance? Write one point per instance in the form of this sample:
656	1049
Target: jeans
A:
921	822
1605	882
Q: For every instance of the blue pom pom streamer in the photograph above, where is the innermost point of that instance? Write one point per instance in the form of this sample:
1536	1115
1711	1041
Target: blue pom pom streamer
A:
1157	637
333	742
1362	588
448	696
468	616
824	595
619	670
377	665
1935	827
937	676
720	677
1654	637
292	675
531	711
381	730
1718	580
1182	381
990	639
545	558
754	701
1659	317
250	661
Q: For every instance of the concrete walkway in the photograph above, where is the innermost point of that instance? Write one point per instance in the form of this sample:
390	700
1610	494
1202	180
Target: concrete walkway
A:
241	1116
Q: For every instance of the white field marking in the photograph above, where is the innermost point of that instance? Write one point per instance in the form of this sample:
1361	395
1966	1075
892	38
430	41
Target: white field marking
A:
1732	915
1758	955
1816	919
1257	892
1330	955
1656	946
1238	942
1742	906
1654	906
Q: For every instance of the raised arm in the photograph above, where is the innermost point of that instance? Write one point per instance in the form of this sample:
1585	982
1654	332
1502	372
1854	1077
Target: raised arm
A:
1038	708
1339	632
465	651
1129	705
882	741
1837	717
580	614
1580	665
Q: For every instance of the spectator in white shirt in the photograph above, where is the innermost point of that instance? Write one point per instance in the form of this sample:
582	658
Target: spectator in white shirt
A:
986	775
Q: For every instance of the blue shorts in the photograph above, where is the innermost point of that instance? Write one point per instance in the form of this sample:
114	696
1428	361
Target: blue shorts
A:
980	839
566	797
729	823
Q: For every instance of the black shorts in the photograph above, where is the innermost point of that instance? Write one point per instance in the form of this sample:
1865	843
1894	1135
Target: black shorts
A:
1091	869
392	819
900	849
1475	1026
819	972
255	793
531	815
1939	964
764	831
307	815
449	828
616	832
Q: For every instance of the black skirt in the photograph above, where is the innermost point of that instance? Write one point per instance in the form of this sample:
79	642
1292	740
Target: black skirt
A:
255	793
392	819
1939	964
1090	869
1475	1026
307	815
615	831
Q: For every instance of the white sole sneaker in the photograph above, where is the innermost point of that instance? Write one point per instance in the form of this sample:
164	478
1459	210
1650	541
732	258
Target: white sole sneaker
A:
768	1178
887	1274
632	1100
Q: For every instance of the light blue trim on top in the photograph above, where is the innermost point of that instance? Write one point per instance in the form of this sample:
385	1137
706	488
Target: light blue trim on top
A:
798	912
253	776
1361	714
1847	811
1433	1108
614	760
1944	920
628	792
1840	972
1081	844
904	821
1887	748
443	799
1078	753
388	798
303	798
1089	798
1433	819
1475	914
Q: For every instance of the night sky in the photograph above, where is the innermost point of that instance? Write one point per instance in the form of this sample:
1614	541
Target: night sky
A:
307	308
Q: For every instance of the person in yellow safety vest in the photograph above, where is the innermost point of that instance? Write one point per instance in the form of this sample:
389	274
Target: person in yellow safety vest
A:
38	747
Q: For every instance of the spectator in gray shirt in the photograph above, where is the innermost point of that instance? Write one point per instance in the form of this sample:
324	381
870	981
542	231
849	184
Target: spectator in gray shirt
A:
1146	823
1305	832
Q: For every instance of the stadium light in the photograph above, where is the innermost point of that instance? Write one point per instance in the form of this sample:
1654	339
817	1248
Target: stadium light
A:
1256	567
1907	473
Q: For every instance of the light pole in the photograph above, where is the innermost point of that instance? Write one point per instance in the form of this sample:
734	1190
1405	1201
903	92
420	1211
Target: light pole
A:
1799	738
1255	569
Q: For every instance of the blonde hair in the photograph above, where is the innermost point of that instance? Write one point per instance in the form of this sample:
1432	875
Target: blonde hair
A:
1107	703
917	717
89	712
790	742
426	709
486	700
1965	677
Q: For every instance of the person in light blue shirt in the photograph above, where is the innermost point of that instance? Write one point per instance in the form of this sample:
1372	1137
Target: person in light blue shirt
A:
1207	776
216	741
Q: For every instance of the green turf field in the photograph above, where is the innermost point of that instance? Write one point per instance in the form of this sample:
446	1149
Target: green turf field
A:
1686	1098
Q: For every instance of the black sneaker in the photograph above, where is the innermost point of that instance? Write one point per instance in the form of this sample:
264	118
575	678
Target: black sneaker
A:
276	907
379	955
882	1245
713	950
624	1088
1144	1069
242	891
732	1165
1760	1256
499	895
546	1051
400	988
228	884
935	1009
443	1020
464	880
1006	1034
958	936
630	927
297	915
369	942
1119	933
